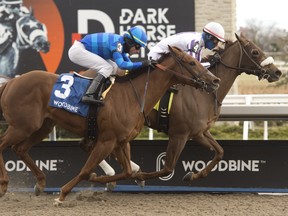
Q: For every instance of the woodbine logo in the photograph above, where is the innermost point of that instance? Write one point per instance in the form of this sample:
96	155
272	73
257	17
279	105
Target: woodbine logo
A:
222	166
19	165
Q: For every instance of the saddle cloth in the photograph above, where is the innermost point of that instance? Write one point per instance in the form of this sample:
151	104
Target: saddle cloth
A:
67	93
70	88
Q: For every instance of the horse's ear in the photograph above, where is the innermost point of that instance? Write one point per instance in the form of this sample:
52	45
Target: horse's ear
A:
236	35
31	11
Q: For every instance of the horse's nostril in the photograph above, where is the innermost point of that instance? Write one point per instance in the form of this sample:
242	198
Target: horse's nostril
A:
278	73
217	81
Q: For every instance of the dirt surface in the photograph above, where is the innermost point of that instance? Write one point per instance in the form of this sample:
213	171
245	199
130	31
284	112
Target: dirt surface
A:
139	204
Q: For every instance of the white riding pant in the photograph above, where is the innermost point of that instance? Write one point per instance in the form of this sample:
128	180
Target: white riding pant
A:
79	55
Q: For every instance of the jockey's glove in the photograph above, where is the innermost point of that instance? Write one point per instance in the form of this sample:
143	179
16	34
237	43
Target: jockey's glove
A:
215	59
149	62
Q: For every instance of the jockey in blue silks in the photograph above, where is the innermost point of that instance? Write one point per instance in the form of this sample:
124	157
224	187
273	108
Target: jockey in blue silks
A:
105	53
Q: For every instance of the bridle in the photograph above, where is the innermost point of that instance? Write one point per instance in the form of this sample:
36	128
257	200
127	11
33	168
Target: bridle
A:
260	71
196	79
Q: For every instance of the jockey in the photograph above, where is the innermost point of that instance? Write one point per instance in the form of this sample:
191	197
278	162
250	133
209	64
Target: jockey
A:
104	53
192	42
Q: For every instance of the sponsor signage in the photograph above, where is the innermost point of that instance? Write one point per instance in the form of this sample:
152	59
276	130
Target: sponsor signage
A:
69	20
246	164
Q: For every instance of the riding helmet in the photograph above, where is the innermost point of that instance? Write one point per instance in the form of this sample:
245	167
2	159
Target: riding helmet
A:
216	30
138	35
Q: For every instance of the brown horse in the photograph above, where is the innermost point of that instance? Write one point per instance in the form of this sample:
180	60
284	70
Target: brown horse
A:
194	112
25	107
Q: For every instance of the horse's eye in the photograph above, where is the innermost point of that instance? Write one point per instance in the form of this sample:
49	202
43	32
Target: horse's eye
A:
192	63
255	53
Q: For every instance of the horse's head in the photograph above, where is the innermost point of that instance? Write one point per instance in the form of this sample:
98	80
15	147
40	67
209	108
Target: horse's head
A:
32	34
192	72
253	58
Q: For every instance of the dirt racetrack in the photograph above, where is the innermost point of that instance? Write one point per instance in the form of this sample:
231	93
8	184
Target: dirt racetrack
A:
97	203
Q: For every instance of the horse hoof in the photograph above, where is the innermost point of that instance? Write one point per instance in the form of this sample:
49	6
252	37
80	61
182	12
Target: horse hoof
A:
140	183
2	194
92	176
37	190
57	202
3	191
110	186
188	177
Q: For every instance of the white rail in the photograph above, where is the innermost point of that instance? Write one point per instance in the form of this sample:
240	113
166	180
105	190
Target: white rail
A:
255	107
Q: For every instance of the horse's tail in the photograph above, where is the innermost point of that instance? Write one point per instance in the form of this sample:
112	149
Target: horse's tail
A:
3	84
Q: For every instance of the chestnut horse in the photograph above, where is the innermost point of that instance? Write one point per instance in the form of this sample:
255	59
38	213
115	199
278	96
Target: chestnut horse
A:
194	112
25	107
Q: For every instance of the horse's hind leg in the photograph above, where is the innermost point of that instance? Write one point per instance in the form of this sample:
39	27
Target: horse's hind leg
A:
11	137
4	178
21	149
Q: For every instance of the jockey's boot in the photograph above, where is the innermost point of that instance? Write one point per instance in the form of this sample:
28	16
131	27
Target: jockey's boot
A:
91	95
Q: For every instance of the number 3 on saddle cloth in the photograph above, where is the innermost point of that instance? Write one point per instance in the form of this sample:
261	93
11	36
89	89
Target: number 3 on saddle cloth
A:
67	93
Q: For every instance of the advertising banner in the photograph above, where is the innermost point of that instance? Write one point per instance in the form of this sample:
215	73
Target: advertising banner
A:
254	165
60	22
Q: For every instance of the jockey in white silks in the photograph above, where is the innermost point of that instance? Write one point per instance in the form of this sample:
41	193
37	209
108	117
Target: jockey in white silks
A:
192	42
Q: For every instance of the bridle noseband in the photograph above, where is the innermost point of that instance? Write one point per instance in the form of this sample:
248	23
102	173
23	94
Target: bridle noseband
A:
260	71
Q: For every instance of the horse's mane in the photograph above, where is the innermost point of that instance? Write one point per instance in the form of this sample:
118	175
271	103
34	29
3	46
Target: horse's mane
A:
136	72
228	43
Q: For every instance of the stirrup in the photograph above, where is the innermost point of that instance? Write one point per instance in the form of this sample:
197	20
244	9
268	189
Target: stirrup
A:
91	99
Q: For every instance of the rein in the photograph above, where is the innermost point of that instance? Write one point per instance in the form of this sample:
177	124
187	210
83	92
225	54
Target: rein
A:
196	79
142	103
259	71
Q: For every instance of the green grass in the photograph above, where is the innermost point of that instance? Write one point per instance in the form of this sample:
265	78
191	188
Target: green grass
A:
225	131
277	130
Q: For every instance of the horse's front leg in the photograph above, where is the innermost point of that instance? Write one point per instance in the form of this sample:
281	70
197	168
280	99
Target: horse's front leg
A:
175	147
208	141
100	151
122	154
